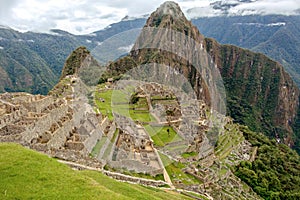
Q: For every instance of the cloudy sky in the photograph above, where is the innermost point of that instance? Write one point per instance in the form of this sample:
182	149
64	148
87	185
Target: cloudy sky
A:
86	16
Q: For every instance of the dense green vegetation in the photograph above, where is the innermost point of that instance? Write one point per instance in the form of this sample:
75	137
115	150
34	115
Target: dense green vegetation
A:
75	61
296	129
255	101
275	172
32	62
26	174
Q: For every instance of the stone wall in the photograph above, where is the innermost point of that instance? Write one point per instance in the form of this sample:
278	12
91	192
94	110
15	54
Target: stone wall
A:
38	103
105	122
11	129
143	181
59	136
13	116
134	165
79	114
44	123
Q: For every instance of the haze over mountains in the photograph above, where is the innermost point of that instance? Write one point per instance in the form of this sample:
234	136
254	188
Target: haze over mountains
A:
86	16
32	61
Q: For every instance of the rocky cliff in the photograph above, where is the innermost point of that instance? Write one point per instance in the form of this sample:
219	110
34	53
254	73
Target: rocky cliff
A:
259	92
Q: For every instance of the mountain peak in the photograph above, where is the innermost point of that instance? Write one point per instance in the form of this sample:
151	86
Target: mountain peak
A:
167	14
75	61
170	16
169	8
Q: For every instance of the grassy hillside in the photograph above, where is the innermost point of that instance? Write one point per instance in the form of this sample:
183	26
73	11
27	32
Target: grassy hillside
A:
26	174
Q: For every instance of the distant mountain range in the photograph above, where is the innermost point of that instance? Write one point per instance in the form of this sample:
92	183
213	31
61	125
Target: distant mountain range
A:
32	62
277	36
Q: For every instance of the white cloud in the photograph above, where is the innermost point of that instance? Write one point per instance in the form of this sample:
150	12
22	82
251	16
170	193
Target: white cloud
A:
77	17
265	7
87	16
126	48
251	7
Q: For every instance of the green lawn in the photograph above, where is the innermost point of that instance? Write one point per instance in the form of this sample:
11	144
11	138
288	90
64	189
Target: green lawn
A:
189	154
98	146
104	107
160	135
175	172
118	101
26	174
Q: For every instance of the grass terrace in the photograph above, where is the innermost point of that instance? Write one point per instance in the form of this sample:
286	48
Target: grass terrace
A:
109	101
161	136
228	141
174	169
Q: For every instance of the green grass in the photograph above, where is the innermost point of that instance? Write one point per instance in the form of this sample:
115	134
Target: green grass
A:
104	107
107	151
98	146
160	135
115	135
26	174
175	172
199	196
144	116
189	154
118	101
110	145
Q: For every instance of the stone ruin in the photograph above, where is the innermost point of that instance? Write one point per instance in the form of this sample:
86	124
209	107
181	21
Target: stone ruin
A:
186	115
49	125
69	129
134	149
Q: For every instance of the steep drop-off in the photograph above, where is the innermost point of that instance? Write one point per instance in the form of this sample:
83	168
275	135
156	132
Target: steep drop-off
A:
259	92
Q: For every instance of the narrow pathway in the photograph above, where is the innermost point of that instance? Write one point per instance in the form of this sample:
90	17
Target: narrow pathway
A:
253	155
165	173
168	179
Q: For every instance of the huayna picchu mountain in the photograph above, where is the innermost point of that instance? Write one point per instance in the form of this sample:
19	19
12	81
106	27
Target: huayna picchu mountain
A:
260	94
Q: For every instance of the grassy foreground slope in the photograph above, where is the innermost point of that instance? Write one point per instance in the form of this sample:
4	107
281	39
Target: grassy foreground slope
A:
26	174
